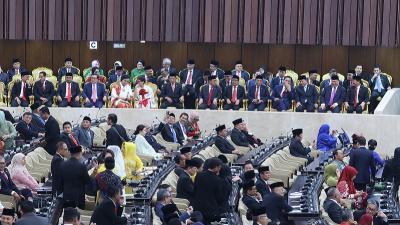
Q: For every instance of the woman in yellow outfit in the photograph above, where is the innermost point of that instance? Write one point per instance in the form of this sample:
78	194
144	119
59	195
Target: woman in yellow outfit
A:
133	164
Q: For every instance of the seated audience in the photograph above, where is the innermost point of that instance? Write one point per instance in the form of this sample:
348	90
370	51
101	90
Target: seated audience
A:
58	158
182	126
167	66
121	94
106	212
280	78
338	159
94	93
27	131
313	77
169	132
7	132
37	121
347	189
20	175
200	82
71	216
332	96
237	136
331	175
238	71
8	216
296	148
253	140
379	162
162	80
43	91
227	81
28	216
4	78
116	135
107	179
264	78
149	74
373	215
67	68
95	64
113	70
143	148
209	94
357	97
262	184
326	141
215	71
275	204
172	93
116	77
68	137
327	82
223	145
7	185
252	198
258	95
282	95
16	69
379	84
152	141
21	91
186	152
185	184
188	78
332	205
358	71
306	96
143	95
138	71
234	95
193	131
84	135
165	207
68	92
348	83
133	164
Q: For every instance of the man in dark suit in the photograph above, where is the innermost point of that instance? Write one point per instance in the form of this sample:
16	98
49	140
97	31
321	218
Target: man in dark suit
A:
237	136
258	95
52	131
27	131
238	71
215	71
282	95
68	137
172	93
94	93
16	68
379	84
67	68
167	67
296	148
74	177
116	135
68	92
280	79
37	120
169	132
209	95
262	183
21	91
106	212
149	74
182	126
7	186
358	71
234	95
363	160
226	82
348	83
252	199
58	158
275	204
306	96
208	185
116	77
43	91
313	76
185	185
188	78
28	216
332	205
222	144
332	96
200	82
357	96
84	134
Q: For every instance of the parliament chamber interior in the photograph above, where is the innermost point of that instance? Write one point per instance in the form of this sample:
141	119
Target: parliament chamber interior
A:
179	112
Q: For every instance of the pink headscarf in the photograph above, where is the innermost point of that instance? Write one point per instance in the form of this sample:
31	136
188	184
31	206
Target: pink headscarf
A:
20	174
17	164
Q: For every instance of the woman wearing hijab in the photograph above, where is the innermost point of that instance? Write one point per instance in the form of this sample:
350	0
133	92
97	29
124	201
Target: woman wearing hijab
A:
119	169
133	164
107	178
391	171
347	190
331	175
138	71
20	175
7	131
121	94
326	141
144	149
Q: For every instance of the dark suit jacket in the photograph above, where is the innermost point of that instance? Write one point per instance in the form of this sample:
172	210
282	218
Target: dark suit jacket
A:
38	122
11	72
326	83
262	187
167	135
112	135
27	131
205	91
220	74
87	91
224	84
197	86
184	75
185	187
180	131
74	177
52	135
276	81
105	214
16	90
153	142
39	92
310	96
7	185
166	91
362	95
339	96
240	93
363	160
56	162
287	97
243	74
264	94
32	218
384	80
276	207
297	149
252	204
335	212
170	70
83	137
239	138
65	138
223	145
63	71
75	90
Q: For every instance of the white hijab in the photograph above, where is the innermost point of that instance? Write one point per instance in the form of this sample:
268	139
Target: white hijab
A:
119	161
17	165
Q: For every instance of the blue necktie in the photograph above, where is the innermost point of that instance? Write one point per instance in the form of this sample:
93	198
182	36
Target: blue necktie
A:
173	134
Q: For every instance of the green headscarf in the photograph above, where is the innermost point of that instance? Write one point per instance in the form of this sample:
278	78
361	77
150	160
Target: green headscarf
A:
330	175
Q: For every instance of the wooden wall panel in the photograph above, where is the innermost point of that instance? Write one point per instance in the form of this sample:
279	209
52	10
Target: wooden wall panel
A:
11	50
64	49
227	55
149	52
387	58
202	53
364	56
177	52
254	56
308	57
283	55
335	57
125	55
86	55
43	49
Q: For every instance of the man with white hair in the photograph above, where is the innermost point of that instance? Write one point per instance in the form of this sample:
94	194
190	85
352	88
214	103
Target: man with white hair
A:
94	64
117	64
166	64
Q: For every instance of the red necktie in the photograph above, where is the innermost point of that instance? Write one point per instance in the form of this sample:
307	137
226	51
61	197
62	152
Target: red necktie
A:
210	95
68	92
189	78
257	89
234	94
23	91
73	139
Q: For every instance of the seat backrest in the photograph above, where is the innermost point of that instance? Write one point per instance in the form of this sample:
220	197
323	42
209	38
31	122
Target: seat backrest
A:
293	75
36	71
327	76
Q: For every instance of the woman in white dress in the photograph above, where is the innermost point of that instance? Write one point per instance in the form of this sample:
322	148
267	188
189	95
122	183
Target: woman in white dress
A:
144	95
121	94
142	146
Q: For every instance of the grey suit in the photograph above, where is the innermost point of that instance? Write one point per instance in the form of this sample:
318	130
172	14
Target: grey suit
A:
83	136
31	218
